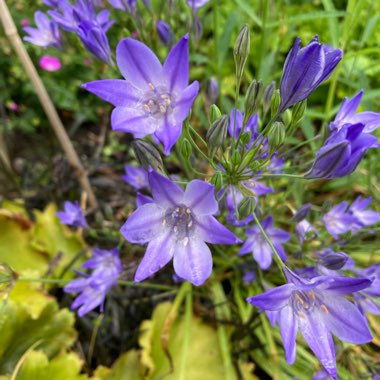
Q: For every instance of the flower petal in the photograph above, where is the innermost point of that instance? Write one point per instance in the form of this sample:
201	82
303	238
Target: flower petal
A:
115	91
200	197
193	261
132	120
319	339
289	329
164	191
144	224
176	66
138	64
345	320
214	232
346	285
273	299
158	253
185	102
168	133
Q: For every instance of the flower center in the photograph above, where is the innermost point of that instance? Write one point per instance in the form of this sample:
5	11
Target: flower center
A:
179	219
303	302
158	102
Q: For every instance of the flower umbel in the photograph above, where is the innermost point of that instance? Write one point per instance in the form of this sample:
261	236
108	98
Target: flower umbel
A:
154	99
176	225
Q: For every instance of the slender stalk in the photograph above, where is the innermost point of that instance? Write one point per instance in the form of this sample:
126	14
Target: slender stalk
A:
276	255
44	98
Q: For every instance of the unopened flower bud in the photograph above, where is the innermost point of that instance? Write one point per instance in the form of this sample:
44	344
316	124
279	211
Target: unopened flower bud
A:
246	207
241	50
275	103
302	212
246	138
287	117
268	94
333	260
298	112
214	113
198	29
236	158
213	90
147	155
217	134
252	99
217	180
276	136
165	33
186	148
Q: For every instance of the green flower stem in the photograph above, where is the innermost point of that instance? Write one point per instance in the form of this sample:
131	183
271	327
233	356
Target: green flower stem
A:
276	255
285	175
62	281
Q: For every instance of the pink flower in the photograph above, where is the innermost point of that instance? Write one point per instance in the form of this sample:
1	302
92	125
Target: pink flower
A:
24	22
13	106
50	63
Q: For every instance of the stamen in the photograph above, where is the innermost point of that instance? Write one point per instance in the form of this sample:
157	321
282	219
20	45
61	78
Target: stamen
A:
151	86
185	241
324	309
164	222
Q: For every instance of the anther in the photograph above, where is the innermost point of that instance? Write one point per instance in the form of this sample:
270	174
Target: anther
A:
185	241
151	86
164	222
324	309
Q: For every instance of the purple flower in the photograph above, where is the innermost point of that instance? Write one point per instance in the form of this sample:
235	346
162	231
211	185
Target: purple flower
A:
51	3
363	217
176	224
154	99
164	32
347	115
305	229
95	41
338	220
332	261
93	288
342	152
46	34
106	266
305	69
196	4
251	127
257	244
72	215
318	308
137	177
124	5
369	299
71	15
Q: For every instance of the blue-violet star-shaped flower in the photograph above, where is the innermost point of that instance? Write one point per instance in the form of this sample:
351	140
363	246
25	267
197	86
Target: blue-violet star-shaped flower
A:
72	215
260	248
176	225
154	99
318	308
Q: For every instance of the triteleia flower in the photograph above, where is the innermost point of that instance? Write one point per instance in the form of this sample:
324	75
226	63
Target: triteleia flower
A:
196	4
260	248
368	300
342	152
318	308
213	90
124	5
333	261
137	177
46	34
305	229
71	15
165	33
72	215
51	3
50	63
93	288
176	225
154	99
347	115
305	69
95	40
363	217
338	220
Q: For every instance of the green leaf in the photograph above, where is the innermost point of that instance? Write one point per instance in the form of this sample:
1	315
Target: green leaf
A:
21	327
127	367
204	358
38	367
32	245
